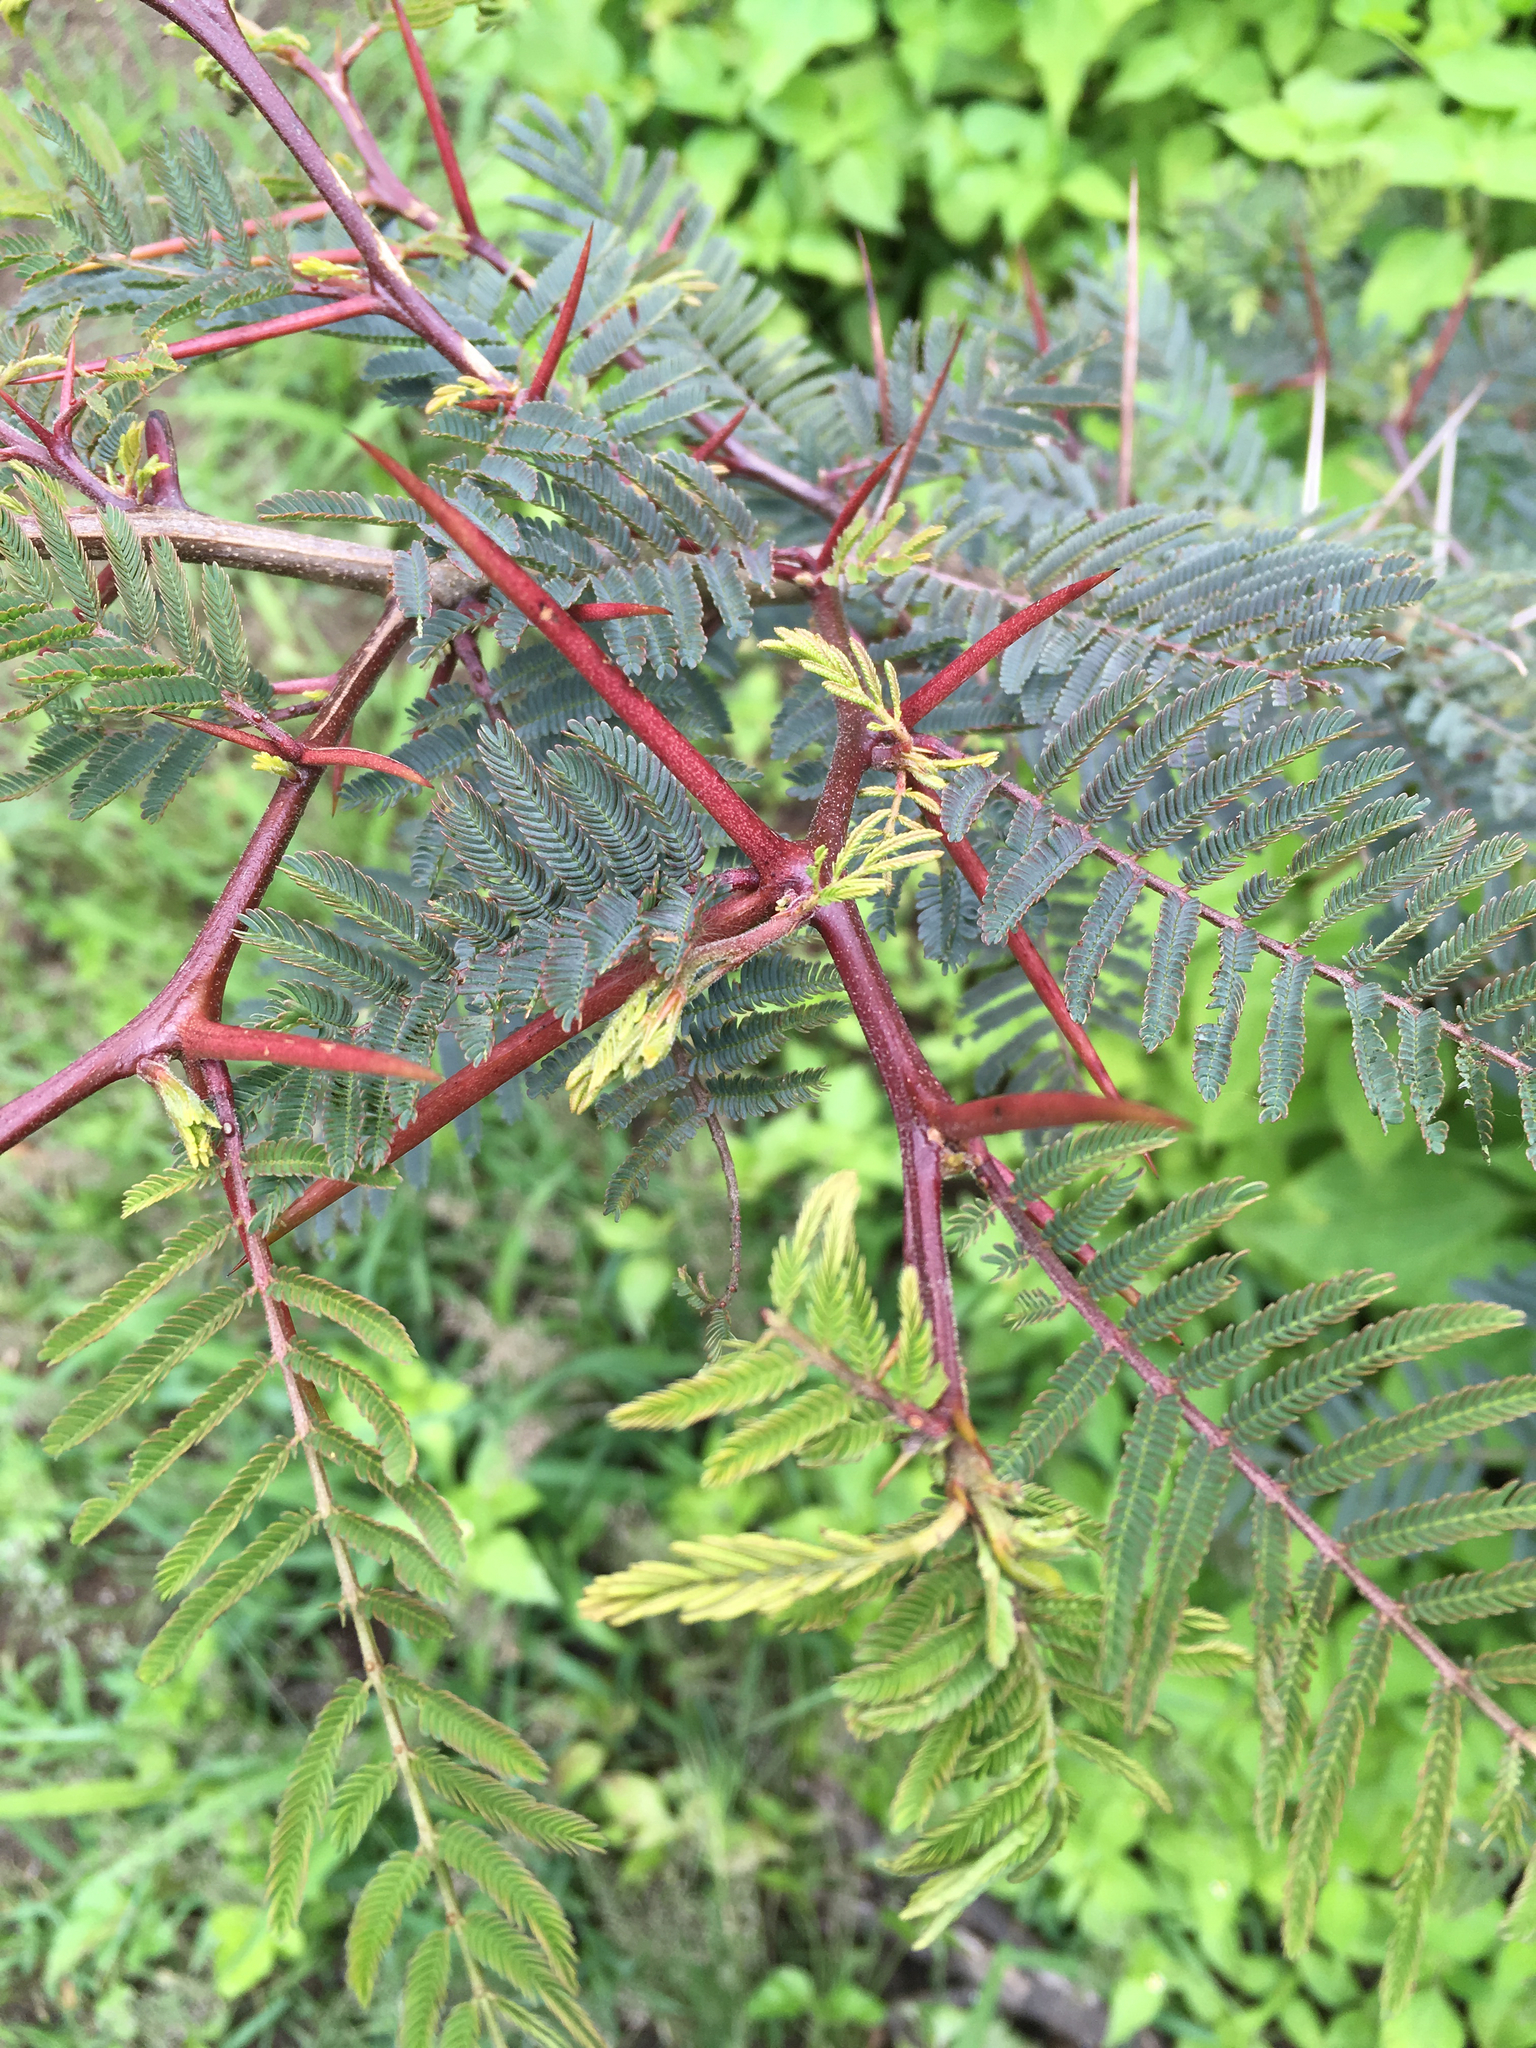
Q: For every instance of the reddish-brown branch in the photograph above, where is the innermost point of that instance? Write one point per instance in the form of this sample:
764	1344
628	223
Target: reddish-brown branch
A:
1041	979
919	1105
213	25
698	775
1032	295
524	1048
197	987
203	1039
1450	327
964	666
590	614
997	1182
560	334
299	753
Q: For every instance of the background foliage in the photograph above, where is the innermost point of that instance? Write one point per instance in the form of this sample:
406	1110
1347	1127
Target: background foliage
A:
739	1903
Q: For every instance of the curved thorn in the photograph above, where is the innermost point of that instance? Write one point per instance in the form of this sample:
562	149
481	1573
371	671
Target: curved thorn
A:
549	362
203	1039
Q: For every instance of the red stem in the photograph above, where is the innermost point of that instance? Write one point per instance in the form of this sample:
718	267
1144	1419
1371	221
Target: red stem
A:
920	424
524	1048
763	846
850	508
1449	328
877	344
324	315
196	989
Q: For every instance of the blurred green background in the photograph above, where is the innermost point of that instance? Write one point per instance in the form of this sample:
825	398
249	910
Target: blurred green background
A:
742	1902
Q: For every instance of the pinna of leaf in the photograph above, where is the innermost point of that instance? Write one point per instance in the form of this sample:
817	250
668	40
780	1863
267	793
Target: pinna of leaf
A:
568	887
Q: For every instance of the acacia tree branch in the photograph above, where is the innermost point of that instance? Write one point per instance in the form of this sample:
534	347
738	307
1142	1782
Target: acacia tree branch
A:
306	1407
213	25
196	989
312	558
747	909
773	856
998	1183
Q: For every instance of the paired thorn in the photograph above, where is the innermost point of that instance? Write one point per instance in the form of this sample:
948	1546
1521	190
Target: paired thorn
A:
204	1039
1045	1110
447	155
964	666
717	440
295	753
920	425
549	362
850	509
588	614
877	344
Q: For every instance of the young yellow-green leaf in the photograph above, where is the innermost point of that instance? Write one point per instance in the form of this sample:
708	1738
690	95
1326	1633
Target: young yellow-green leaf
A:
372	1325
383	1416
159	1452
1002	1622
376	1917
181	1252
182	1333
744	1380
304	1801
767	1440
231	1582
159	1187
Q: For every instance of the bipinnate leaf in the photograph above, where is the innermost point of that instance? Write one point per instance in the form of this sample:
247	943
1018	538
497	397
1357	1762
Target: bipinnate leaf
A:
722	1577
1437	1524
415	1618
1189	1523
159	1452
764	1441
426	1987
1445	1420
1423	1846
1145	1458
473	1733
387	1420
177	1256
513	1887
370	1324
1329	1774
186	1558
406	1554
268	1553
1116	1763
357	1799
1057	1409
507	1807
376	1917
182	1333
305	1799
